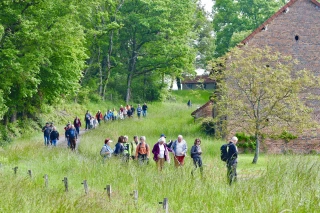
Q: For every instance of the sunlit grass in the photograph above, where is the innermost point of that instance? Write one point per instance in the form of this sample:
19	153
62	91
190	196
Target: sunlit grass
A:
277	183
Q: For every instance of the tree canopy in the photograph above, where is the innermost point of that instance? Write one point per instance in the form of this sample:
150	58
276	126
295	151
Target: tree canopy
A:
261	95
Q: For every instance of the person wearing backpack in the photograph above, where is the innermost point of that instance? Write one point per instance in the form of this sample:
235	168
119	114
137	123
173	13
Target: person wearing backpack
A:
143	151
127	149
196	155
99	116
232	160
73	136
106	151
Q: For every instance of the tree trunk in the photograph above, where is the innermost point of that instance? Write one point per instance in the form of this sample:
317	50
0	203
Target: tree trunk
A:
108	65
129	88
100	73
131	69
256	153
178	83
171	84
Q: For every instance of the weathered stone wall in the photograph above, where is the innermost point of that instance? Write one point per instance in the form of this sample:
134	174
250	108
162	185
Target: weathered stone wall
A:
296	32
205	111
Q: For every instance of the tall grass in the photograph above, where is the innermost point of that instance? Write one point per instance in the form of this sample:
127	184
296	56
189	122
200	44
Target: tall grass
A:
276	184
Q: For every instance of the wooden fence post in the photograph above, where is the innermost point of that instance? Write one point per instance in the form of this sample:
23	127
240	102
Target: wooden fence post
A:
165	204
15	170
30	173
46	180
108	188
85	185
135	196
65	180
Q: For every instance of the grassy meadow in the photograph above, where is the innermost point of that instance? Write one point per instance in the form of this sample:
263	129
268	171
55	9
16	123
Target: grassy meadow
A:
278	183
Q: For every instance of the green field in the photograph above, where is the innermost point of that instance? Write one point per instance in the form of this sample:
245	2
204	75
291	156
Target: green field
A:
278	183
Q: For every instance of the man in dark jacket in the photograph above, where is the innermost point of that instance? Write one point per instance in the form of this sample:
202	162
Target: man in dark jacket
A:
73	136
46	134
232	160
54	136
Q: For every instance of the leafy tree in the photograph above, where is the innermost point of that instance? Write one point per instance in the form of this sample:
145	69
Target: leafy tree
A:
259	93
156	38
239	16
42	54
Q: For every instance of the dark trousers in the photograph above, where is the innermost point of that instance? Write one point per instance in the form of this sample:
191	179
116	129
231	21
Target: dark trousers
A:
232	172
87	124
197	162
78	129
142	158
73	143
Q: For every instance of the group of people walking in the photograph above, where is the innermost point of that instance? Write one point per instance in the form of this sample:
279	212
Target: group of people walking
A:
139	150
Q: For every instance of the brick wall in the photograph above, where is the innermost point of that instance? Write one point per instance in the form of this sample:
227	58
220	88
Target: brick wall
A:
205	112
302	20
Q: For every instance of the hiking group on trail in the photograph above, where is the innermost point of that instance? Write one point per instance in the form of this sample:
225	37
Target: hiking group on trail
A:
139	149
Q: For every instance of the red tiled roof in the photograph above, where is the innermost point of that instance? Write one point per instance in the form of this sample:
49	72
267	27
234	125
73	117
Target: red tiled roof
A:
198	79
200	108
289	4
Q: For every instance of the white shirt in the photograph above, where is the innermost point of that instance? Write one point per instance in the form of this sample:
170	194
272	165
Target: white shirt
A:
179	149
162	149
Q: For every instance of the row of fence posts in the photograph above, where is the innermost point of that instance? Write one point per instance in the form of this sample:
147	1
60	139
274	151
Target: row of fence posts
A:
164	203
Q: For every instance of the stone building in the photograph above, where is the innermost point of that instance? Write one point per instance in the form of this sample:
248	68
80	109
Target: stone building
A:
294	30
198	82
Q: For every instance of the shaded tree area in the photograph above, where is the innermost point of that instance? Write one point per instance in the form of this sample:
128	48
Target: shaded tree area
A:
106	49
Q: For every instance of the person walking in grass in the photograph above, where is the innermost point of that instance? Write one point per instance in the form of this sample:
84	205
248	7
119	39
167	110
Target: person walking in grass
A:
115	114
54	136
144	110
77	124
46	133
179	149
119	148
196	155
142	151
106	151
134	145
73	136
99	116
161	153
139	110
87	118
127	149
232	161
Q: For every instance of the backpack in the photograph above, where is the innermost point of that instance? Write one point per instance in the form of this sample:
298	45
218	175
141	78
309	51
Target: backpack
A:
72	133
224	152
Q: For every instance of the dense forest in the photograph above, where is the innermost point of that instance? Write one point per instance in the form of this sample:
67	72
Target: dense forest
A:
130	50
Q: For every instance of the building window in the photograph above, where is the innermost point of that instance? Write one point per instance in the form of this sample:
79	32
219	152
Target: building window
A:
296	37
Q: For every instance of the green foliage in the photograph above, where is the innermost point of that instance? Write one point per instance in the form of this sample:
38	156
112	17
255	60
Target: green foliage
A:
246	141
208	126
234	19
255	90
285	135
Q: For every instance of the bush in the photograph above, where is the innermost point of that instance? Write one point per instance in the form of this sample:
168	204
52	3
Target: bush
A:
208	126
